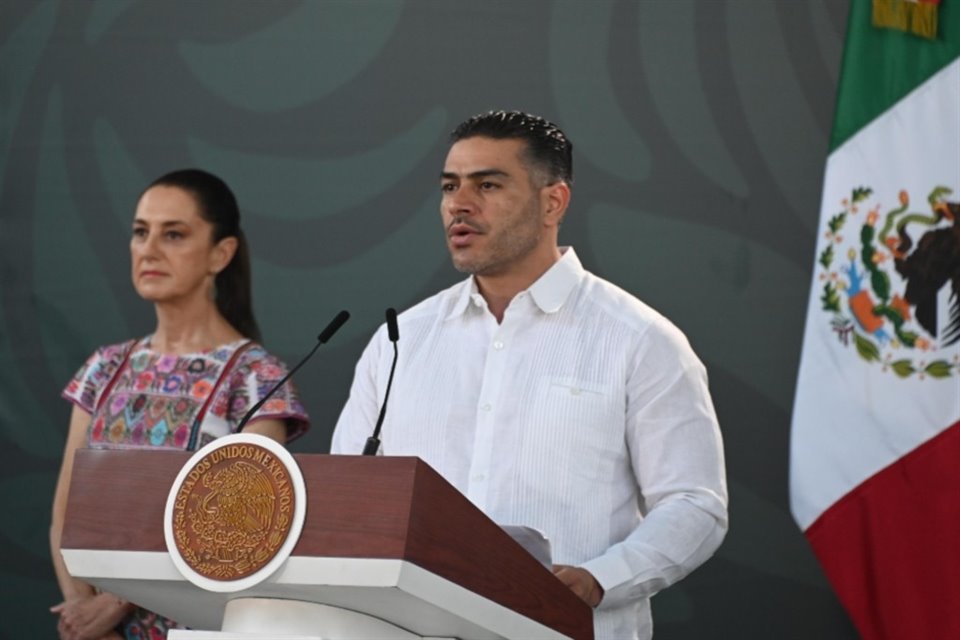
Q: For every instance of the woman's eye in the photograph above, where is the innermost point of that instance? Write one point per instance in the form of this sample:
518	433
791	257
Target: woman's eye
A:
139	232
173	235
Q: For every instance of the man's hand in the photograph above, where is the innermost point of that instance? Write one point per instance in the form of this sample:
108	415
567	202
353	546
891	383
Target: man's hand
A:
89	617
581	582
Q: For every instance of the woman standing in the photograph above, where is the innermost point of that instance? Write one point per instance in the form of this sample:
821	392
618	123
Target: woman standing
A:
188	382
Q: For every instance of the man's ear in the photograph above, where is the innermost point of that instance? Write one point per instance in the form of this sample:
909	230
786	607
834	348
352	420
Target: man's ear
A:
223	253
555	198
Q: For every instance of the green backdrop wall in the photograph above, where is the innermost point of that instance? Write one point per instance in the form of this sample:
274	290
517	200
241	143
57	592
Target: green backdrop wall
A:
700	128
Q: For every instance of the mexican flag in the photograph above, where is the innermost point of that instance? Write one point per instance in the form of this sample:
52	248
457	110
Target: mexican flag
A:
875	443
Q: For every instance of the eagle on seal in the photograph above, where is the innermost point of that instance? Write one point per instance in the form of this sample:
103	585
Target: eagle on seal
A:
241	498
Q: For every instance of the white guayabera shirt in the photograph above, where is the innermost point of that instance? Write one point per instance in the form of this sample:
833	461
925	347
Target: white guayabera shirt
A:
584	414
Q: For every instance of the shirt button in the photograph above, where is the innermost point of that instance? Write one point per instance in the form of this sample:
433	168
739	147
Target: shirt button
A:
498	345
574	391
486	407
479	477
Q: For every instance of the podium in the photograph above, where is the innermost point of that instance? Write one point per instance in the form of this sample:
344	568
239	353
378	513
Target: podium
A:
387	547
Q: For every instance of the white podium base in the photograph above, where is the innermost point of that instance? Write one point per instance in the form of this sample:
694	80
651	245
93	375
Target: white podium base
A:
254	618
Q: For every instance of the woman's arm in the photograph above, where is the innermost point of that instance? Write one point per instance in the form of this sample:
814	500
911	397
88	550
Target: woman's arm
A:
76	437
83	613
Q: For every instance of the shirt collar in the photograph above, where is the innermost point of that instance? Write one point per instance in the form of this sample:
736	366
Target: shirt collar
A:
549	292
553	288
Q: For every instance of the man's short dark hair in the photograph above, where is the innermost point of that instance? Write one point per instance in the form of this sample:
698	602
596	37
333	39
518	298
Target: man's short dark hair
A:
548	151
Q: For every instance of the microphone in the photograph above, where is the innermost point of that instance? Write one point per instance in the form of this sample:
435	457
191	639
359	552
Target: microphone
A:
324	336
393	333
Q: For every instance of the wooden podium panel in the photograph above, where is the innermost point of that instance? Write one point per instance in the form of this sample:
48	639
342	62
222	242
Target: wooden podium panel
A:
380	534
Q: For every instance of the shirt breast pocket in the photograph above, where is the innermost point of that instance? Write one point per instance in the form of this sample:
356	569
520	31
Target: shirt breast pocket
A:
584	424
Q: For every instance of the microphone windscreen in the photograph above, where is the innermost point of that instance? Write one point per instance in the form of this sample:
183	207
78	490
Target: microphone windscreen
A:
393	331
334	326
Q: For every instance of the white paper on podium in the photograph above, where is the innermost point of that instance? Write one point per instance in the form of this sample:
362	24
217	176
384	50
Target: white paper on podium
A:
533	541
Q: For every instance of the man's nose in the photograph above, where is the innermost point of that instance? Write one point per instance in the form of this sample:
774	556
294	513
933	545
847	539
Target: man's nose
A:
461	202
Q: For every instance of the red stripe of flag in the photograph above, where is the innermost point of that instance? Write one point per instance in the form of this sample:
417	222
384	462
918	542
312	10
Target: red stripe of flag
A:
891	547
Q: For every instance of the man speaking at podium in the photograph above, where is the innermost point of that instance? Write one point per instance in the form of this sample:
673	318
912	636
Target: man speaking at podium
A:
548	396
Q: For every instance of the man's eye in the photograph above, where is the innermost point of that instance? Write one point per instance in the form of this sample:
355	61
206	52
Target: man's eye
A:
448	187
488	186
139	232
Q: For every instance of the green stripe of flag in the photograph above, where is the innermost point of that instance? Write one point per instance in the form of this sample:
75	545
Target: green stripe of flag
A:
881	66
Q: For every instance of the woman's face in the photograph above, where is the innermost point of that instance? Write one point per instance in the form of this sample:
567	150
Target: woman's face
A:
173	256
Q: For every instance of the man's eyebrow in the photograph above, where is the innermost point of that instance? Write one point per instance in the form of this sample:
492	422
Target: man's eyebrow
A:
483	173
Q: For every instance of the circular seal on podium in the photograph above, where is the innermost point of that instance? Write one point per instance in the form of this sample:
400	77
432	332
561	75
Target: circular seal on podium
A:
234	512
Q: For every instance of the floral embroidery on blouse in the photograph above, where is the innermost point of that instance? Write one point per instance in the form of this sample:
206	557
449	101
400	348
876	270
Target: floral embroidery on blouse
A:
156	398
